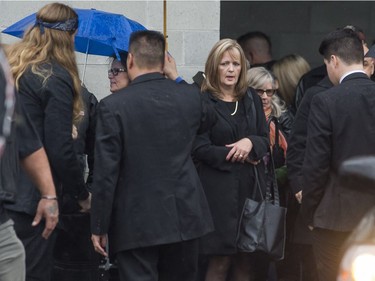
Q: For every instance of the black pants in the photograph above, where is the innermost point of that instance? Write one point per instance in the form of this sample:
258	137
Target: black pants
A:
74	256
39	258
170	262
327	245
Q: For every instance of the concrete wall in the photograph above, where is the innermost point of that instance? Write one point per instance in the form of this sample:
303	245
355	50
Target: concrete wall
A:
192	28
296	26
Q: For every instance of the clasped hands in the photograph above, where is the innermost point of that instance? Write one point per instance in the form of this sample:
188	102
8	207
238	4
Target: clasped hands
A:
240	151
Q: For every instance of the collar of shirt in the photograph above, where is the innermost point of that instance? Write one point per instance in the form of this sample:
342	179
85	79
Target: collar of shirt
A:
351	72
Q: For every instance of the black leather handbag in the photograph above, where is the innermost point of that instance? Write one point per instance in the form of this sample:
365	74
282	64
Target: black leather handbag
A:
262	224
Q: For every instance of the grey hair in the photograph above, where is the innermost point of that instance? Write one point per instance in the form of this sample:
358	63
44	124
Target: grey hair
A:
257	77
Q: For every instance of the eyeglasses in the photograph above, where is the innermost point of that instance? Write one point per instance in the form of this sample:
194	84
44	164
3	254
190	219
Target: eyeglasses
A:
269	92
116	71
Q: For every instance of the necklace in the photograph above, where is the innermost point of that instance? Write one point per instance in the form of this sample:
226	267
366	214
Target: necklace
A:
235	109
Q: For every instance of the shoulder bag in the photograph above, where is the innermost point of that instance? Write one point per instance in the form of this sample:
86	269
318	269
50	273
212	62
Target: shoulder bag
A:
262	224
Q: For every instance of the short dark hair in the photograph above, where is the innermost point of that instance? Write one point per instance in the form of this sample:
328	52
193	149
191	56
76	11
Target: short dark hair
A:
343	43
123	57
148	47
251	35
359	31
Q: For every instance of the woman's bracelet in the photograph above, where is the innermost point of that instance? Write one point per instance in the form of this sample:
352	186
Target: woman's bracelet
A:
47	197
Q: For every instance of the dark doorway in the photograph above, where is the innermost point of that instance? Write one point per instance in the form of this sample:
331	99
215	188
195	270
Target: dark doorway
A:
296	26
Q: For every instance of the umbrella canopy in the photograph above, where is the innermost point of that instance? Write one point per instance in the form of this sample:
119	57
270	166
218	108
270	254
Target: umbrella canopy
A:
99	33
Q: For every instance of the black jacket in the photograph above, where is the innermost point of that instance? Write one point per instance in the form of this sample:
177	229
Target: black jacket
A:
228	184
308	80
85	142
286	122
340	126
84	146
146	190
21	141
50	106
298	136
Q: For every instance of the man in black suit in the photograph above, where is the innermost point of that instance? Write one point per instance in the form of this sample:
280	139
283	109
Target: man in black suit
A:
340	126
146	192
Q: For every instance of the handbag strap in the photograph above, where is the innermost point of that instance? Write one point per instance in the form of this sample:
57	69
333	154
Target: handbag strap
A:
257	183
271	186
276	131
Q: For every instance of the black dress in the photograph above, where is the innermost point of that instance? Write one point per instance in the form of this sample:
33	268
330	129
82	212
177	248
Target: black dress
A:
228	184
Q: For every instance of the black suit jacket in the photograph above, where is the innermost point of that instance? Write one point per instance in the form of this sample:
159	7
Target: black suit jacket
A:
298	136
146	190
341	125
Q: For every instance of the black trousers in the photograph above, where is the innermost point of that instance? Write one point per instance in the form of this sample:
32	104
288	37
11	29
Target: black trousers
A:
169	262
39	258
327	246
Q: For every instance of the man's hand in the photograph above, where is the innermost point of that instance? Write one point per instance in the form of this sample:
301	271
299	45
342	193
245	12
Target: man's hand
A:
74	132
85	204
49	210
299	196
170	69
99	242
37	166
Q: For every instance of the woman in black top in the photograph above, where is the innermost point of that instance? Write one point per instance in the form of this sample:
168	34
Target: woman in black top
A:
226	155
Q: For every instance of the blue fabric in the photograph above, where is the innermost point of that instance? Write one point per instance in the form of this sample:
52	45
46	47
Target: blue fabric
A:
178	79
99	32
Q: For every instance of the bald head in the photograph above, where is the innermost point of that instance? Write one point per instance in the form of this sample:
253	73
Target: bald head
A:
256	46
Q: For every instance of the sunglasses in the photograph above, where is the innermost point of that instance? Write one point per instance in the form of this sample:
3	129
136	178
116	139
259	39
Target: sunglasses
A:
116	71
269	92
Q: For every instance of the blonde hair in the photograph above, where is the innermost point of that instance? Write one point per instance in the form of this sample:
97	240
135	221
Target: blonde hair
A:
258	77
288	71
38	48
211	83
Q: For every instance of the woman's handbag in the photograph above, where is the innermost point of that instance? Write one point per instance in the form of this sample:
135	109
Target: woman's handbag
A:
262	224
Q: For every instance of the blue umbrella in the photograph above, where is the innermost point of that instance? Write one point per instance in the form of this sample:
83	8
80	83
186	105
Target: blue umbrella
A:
99	33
